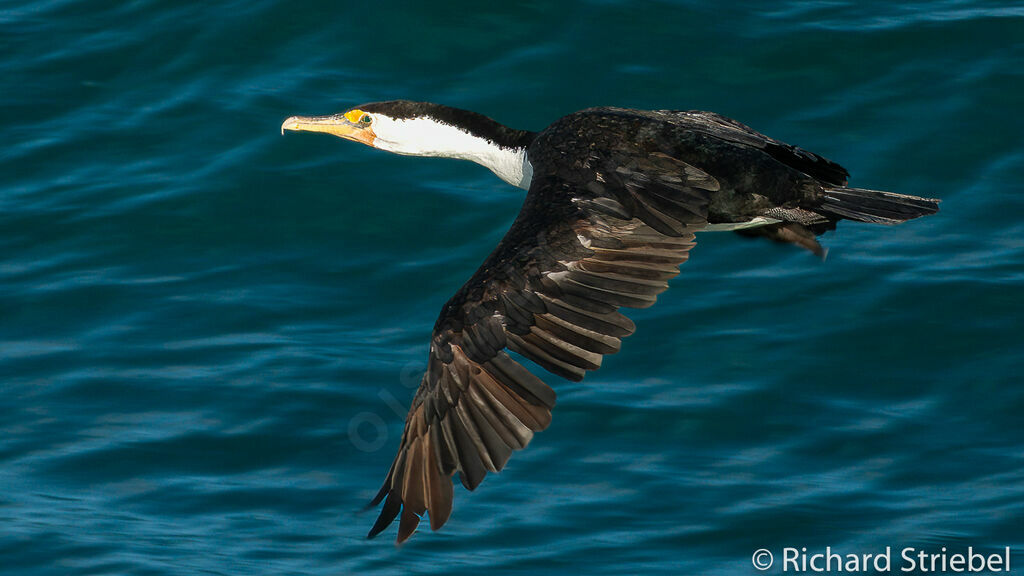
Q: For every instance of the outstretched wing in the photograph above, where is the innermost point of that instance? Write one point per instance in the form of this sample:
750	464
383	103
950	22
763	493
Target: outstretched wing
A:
611	234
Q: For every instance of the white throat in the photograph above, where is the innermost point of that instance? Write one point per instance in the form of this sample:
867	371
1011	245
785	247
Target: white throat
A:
428	137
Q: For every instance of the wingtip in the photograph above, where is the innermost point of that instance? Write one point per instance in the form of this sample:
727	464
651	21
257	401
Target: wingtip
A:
392	506
378	527
406	525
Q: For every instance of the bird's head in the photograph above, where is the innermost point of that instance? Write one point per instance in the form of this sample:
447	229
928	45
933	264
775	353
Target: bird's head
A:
413	128
427	129
400	126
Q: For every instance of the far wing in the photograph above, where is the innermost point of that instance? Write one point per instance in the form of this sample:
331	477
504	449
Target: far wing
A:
795	157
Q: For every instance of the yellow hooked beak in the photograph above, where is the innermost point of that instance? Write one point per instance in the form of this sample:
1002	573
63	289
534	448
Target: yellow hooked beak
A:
338	124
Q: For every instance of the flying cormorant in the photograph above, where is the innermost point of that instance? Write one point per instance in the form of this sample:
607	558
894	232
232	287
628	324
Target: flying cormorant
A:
614	199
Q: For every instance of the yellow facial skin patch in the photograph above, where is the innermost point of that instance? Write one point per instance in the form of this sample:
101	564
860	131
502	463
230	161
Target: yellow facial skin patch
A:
353	116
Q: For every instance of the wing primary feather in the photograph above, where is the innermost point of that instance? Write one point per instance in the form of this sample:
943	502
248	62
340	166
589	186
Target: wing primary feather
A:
587	304
639	270
497	449
439	486
656	219
449	439
554	287
640	253
407	524
526	300
618	283
571	287
447	461
476	435
563	350
612	324
534	416
516	422
577	335
547	361
471	467
500	423
512	374
412	482
392	506
384	488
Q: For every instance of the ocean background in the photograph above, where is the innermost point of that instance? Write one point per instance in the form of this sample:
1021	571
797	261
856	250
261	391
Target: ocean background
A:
209	333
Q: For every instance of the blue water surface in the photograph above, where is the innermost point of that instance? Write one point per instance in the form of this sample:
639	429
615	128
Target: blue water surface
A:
209	333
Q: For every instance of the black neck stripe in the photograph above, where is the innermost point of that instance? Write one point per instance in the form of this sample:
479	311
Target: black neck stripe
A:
471	122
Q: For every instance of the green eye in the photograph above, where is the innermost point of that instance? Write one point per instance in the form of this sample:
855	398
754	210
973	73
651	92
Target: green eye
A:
365	119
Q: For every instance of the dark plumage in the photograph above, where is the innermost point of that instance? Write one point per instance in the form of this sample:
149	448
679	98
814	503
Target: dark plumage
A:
612	210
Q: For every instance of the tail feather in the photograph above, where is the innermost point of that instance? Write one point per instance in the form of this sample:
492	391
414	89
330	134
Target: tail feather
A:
876	206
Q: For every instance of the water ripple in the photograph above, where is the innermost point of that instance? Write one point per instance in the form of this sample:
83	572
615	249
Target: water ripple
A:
198	316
